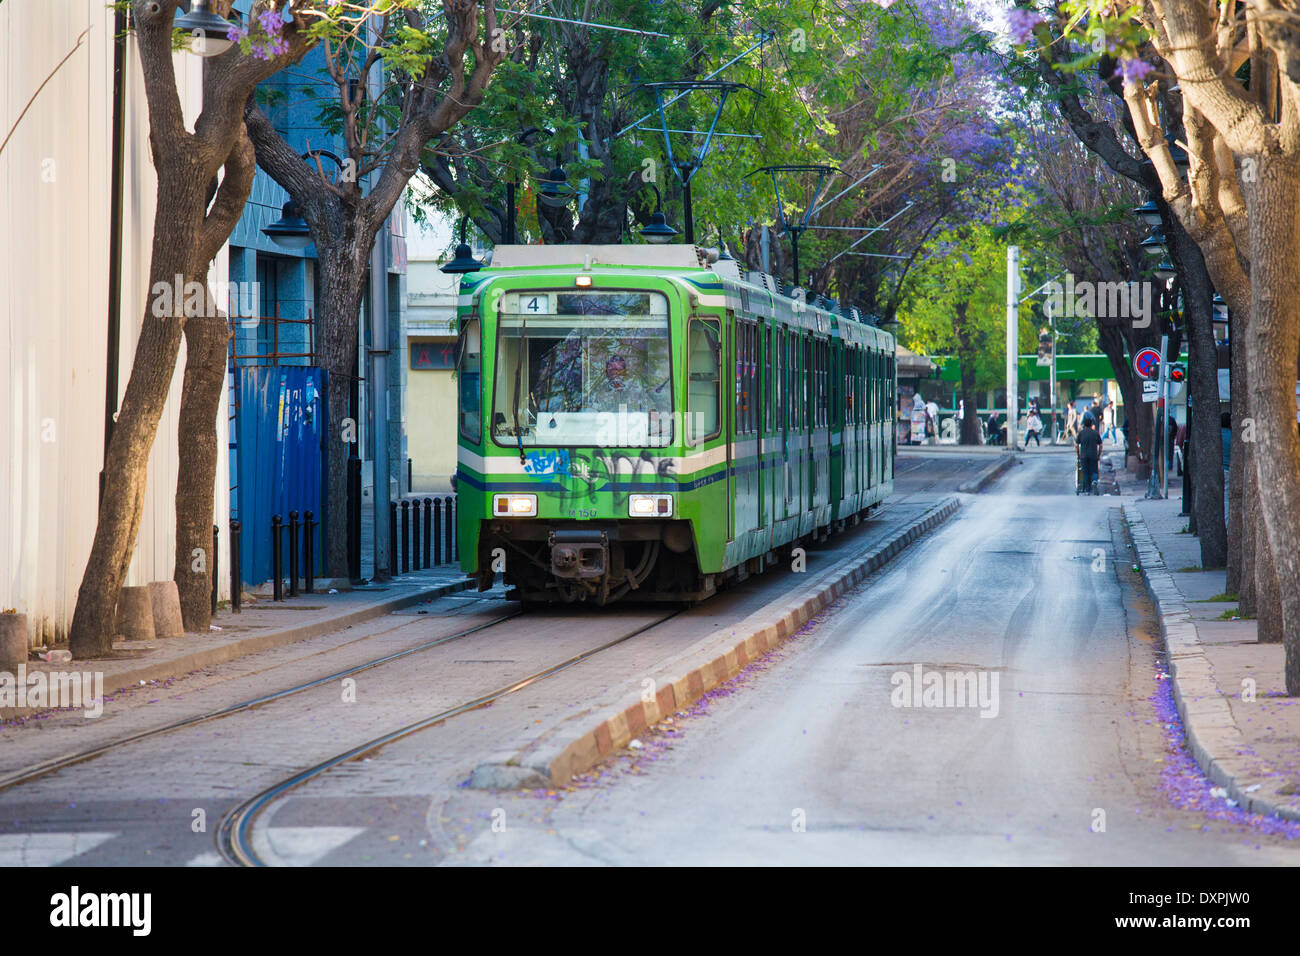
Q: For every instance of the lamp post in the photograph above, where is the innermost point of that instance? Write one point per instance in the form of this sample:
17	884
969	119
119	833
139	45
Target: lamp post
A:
796	229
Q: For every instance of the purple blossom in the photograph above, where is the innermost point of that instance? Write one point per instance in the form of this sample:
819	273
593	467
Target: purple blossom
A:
1133	71
1021	23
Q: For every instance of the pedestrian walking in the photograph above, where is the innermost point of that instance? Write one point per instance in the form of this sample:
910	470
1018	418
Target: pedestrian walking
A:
918	419
1072	423
1171	439
1089	444
1108	420
1033	428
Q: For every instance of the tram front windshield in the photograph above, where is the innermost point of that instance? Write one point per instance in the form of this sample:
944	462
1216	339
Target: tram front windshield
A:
583	367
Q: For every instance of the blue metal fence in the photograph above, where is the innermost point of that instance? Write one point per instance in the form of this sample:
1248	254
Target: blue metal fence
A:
281	427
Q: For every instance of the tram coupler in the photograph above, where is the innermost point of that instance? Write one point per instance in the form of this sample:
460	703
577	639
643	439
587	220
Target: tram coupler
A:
578	553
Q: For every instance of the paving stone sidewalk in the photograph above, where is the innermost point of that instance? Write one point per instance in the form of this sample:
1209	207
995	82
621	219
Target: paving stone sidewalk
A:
263	625
1242	729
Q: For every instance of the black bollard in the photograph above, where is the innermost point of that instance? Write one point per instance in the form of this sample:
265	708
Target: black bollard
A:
406	536
437	531
428	529
415	534
293	554
354	518
450	526
277	545
392	537
216	566
236	585
1188	491
309	551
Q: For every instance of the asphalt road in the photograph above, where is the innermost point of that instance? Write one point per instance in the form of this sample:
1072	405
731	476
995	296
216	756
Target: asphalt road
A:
809	760
820	754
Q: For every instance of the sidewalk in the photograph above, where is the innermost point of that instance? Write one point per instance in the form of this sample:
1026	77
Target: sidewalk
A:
262	626
1230	691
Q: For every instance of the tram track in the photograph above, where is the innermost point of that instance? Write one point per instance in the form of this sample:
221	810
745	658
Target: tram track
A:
46	767
234	836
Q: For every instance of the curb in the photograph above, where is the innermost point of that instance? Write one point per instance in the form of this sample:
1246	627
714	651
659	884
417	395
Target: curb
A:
196	660
977	484
555	757
1207	719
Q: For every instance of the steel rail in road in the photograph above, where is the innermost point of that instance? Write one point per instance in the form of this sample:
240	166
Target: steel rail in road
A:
235	834
35	771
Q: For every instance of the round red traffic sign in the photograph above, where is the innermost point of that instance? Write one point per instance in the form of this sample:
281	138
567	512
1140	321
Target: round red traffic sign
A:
1145	361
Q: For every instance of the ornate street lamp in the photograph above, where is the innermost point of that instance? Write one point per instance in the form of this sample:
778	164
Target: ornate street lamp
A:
208	31
796	229
290	230
555	189
1154	244
1148	213
658	231
464	260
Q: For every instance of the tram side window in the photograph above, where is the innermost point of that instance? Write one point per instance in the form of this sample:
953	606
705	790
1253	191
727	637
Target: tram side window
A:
766	337
469	374
744	376
778	406
705	389
755	398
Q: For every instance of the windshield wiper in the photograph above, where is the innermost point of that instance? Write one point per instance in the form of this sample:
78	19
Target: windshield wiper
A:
519	371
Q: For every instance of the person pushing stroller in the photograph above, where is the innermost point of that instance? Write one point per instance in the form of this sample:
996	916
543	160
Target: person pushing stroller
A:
1088	449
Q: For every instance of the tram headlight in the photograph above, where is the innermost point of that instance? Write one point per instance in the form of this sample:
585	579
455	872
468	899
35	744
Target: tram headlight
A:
650	506
514	506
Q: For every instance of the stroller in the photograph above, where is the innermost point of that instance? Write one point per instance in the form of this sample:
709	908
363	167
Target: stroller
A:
1079	479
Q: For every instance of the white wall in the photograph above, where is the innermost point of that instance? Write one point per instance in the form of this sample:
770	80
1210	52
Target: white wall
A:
55	176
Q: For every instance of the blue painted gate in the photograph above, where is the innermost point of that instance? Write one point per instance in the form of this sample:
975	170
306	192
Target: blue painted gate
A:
281	427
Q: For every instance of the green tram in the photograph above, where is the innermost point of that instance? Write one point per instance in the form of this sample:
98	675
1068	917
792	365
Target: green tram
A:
638	423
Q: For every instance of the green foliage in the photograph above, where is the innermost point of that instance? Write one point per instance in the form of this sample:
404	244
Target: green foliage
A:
964	268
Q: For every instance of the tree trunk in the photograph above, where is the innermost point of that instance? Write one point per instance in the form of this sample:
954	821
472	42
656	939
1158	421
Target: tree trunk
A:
970	423
342	288
205	378
1203	393
179	213
1273	347
1268	601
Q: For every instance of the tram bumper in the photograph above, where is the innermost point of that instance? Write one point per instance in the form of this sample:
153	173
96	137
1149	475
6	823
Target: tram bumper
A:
579	554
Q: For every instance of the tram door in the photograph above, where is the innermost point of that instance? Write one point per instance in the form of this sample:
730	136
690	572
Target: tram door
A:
763	412
729	349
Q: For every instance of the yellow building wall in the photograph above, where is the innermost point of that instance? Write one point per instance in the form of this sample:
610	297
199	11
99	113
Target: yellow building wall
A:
431	423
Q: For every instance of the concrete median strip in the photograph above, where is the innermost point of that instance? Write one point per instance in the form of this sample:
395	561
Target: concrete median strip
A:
1212	734
583	740
977	484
